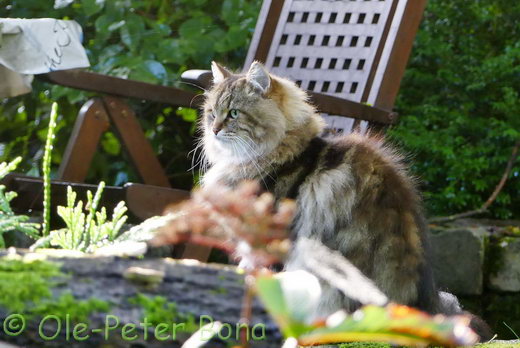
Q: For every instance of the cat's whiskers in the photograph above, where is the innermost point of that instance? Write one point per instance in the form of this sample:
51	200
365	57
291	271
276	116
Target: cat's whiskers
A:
240	165
253	161
254	158
201	160
250	143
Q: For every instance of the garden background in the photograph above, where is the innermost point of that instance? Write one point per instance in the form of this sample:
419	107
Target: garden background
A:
458	102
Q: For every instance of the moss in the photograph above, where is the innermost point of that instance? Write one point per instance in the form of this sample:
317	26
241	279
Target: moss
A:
494	256
513	230
218	291
24	282
26	287
158	310
384	345
364	345
499	345
67	304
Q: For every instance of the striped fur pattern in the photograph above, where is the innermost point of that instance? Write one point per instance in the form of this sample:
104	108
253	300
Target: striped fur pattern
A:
353	192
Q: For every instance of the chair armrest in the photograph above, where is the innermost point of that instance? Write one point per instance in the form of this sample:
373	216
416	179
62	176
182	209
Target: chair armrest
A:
348	108
30	192
99	83
325	103
199	78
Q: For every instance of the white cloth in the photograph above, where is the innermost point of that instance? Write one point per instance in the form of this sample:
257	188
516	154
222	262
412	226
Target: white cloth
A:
37	46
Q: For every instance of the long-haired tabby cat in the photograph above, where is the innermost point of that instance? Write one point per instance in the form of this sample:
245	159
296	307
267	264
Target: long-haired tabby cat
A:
353	192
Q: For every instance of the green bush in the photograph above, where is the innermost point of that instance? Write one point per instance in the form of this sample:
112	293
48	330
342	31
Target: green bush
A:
459	105
458	102
151	41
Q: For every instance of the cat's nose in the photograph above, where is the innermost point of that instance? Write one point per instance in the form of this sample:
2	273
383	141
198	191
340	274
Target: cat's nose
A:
217	129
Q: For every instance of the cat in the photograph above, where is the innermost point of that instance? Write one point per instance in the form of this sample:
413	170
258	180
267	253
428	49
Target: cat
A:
353	192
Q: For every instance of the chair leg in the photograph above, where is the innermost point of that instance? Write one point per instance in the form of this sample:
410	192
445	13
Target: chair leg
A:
141	152
91	123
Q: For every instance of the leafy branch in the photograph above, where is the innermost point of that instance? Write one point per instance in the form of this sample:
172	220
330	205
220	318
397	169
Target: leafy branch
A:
484	208
9	221
46	168
87	229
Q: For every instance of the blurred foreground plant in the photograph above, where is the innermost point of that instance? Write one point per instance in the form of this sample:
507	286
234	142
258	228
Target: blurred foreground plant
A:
242	223
253	228
292	307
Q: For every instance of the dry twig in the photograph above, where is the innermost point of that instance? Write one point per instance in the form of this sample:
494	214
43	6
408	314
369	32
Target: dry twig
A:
491	198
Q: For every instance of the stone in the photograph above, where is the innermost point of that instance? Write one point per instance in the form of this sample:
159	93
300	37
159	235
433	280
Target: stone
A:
210	290
506	273
458	259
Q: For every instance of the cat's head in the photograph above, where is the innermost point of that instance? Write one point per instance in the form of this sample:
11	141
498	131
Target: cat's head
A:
248	115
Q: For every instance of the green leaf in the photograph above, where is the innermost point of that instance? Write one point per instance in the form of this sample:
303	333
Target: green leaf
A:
149	71
156	69
111	144
290	304
187	114
91	7
194	28
132	31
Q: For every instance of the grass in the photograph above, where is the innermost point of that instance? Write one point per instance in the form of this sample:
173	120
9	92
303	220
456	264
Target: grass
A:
383	345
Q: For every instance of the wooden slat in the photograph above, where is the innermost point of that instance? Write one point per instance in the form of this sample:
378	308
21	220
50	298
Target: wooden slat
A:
30	192
90	124
121	87
339	106
391	80
146	201
379	51
134	141
269	28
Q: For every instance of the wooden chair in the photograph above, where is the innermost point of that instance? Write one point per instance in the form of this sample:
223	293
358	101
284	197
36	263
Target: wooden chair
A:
349	55
111	111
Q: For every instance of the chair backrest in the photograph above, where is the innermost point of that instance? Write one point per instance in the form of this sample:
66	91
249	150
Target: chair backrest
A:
353	49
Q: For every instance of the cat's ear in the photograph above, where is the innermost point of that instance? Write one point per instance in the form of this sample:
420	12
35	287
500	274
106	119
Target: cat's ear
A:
219	72
259	77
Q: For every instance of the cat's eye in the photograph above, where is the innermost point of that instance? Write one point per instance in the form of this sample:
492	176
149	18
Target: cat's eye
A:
233	113
211	116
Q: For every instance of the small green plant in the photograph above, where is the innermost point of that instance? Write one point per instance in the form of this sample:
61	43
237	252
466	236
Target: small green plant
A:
26	286
24	281
46	168
158	310
9	221
87	228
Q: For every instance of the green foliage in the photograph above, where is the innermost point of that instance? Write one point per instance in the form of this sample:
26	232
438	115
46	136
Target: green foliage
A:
87	231
25	287
67	305
394	324
23	282
46	169
459	104
8	220
152	41
158	310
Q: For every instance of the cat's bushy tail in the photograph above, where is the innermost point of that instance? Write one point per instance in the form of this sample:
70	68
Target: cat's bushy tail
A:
449	304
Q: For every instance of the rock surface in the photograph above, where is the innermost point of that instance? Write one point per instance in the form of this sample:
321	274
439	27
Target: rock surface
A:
458	259
196	288
506	275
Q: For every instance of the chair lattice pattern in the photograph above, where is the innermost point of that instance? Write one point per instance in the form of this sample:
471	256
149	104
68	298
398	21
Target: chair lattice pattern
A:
329	46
